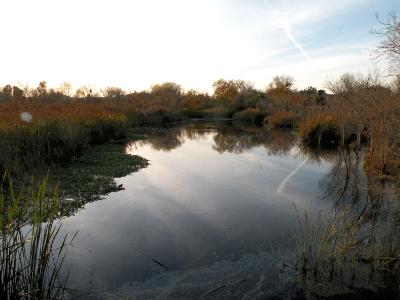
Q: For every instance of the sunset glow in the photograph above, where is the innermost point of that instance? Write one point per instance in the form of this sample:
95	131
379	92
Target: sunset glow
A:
133	44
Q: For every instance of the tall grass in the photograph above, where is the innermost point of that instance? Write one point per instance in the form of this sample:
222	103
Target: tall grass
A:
30	257
56	132
342	253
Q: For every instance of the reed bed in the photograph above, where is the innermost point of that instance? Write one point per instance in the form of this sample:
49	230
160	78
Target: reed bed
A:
343	253
32	251
35	132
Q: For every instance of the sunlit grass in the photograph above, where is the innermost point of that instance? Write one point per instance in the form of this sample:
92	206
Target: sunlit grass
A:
57	131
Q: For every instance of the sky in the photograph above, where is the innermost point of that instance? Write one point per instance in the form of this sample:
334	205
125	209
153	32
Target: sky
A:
136	43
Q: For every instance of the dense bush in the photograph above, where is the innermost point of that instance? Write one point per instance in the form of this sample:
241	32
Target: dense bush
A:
219	112
281	119
250	115
194	113
320	131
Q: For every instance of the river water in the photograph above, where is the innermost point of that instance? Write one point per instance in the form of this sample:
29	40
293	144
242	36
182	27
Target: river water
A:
214	215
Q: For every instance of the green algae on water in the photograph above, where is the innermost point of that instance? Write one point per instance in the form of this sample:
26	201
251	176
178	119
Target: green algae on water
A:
92	175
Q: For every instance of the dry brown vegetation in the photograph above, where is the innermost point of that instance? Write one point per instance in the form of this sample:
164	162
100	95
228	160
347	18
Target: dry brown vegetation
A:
368	111
362	110
281	119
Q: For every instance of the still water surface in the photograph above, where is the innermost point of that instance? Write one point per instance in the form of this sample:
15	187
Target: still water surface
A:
217	206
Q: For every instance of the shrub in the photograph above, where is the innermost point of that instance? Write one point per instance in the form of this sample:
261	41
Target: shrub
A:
219	112
320	131
281	119
159	114
250	115
194	113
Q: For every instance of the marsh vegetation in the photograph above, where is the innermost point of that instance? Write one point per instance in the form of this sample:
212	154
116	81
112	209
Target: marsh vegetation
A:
32	249
344	240
244	193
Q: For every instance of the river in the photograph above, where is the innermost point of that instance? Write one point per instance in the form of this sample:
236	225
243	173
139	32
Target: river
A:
215	214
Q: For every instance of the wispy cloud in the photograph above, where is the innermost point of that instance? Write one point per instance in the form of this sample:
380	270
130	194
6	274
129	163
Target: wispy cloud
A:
302	13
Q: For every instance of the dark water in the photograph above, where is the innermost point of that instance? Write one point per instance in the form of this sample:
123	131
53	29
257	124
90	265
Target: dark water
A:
216	208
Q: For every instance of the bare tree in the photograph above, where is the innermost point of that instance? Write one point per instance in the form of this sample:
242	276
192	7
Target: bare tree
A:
283	83
389	45
113	92
167	94
7	90
84	92
65	89
18	92
42	88
279	92
235	92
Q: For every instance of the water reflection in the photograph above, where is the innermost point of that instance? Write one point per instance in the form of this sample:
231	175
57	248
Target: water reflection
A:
354	247
230	138
216	208
206	206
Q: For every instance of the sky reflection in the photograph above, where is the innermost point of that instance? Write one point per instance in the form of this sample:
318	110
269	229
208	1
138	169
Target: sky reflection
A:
190	208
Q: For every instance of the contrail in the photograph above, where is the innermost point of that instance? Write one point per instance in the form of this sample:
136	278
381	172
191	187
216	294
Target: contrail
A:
288	31
285	181
286	28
